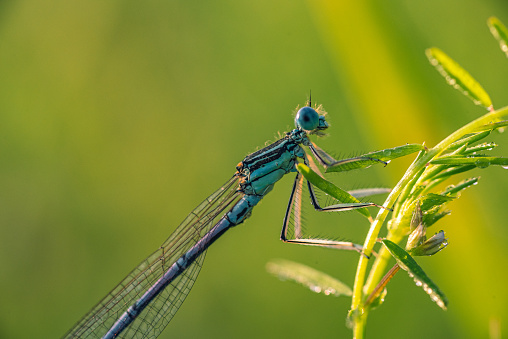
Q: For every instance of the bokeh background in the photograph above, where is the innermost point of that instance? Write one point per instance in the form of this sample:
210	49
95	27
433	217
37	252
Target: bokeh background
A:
117	118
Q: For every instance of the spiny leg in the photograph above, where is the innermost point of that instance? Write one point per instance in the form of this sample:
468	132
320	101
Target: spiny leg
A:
327	161
357	193
338	207
295	203
342	207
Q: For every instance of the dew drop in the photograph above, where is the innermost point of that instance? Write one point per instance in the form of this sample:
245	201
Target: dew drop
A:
315	288
482	163
329	291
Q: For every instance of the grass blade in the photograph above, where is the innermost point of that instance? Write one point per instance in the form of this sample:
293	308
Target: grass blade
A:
499	32
315	280
458	77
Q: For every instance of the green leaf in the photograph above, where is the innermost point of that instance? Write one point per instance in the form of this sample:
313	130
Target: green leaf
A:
458	77
454	189
384	155
492	126
407	263
429	203
316	281
499	32
459	150
488	146
478	161
433	200
469	139
332	190
432	217
454	170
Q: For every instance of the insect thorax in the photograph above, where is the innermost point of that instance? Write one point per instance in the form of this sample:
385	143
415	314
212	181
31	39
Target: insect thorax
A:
259	171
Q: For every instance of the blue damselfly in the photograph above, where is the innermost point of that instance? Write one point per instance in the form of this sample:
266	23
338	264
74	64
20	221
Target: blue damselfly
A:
144	302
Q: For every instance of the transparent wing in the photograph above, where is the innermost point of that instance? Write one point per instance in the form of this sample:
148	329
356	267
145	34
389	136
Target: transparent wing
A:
152	321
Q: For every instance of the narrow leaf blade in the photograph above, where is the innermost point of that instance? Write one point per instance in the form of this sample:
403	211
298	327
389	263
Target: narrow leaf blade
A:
478	161
487	146
470	139
433	200
454	189
432	217
330	188
499	32
458	77
407	263
453	171
315	280
492	126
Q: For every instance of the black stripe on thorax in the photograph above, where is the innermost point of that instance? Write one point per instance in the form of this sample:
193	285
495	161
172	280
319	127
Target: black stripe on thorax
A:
268	154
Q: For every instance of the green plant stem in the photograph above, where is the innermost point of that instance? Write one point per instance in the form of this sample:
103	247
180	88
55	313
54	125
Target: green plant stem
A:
360	289
359	325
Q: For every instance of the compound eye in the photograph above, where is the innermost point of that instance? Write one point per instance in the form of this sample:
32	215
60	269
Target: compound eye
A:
307	118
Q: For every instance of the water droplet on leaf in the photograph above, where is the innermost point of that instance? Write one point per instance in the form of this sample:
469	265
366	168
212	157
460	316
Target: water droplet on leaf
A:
482	163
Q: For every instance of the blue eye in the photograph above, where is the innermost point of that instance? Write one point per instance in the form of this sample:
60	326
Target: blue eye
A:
307	118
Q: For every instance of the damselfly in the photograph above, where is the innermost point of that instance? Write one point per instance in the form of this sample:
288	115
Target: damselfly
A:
144	302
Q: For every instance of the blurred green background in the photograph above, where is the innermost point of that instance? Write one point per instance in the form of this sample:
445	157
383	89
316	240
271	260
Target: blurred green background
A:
117	118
